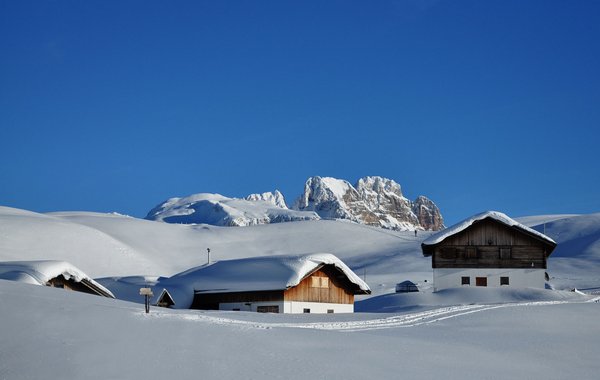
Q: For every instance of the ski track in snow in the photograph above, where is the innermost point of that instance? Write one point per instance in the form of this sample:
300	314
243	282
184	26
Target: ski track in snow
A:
404	320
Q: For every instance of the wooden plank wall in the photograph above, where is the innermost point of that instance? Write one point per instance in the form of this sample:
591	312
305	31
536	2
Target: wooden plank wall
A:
485	239
338	289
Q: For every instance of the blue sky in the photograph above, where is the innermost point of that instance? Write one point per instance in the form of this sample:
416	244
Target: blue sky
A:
116	106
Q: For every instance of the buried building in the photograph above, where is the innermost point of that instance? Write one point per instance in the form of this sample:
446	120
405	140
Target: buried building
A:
56	274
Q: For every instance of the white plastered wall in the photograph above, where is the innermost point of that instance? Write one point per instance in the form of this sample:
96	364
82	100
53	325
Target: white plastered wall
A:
297	307
291	307
444	278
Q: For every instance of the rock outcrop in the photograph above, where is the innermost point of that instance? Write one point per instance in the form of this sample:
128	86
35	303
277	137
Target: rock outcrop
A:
374	201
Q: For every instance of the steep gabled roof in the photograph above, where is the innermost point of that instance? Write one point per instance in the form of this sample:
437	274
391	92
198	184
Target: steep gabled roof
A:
254	274
495	215
42	271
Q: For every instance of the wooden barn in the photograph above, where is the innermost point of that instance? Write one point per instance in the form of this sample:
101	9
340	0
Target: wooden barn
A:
56	274
488	249
317	283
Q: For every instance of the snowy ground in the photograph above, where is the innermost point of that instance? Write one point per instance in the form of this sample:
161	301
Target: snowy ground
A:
50	333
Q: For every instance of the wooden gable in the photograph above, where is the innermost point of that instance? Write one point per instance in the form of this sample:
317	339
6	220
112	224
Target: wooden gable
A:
488	243
327	284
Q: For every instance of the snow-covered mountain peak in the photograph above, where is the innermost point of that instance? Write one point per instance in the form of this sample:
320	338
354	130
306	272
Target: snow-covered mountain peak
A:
215	209
327	197
274	197
379	185
375	201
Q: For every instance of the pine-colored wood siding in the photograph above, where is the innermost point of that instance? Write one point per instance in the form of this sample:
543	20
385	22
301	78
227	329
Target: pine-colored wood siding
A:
337	290
479	246
327	284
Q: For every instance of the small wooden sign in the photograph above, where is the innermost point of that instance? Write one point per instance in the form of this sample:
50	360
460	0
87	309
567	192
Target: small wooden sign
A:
146	292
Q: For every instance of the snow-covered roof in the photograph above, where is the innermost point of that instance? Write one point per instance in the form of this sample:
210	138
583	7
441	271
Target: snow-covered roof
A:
42	271
496	215
253	274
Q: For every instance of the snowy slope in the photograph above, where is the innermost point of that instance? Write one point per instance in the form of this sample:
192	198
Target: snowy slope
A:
106	245
218	210
576	259
26	235
50	333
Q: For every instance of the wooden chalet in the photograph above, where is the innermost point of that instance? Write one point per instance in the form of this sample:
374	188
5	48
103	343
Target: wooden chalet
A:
488	249
318	283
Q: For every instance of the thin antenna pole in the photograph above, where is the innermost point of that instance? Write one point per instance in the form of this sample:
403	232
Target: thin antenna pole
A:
208	250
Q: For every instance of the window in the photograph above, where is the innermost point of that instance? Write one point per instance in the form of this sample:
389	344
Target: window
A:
481	281
319	282
503	281
505	253
268	309
465	280
306	311
329	311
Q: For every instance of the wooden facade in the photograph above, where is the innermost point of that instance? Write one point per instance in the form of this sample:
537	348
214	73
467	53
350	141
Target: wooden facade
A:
336	288
326	284
488	243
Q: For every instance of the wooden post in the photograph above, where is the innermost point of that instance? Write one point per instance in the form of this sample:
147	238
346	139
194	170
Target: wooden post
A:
147	293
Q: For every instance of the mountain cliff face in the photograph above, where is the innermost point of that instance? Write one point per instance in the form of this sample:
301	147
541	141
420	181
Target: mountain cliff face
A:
374	201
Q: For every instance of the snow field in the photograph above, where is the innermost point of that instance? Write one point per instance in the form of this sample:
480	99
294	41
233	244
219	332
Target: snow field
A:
52	333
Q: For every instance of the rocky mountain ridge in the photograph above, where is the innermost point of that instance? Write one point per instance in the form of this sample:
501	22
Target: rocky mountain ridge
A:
374	201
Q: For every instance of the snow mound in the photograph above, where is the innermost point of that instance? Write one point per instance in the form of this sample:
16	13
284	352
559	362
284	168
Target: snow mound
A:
218	210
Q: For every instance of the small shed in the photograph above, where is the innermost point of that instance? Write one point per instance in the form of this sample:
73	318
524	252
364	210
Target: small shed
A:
56	274
406	287
165	299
